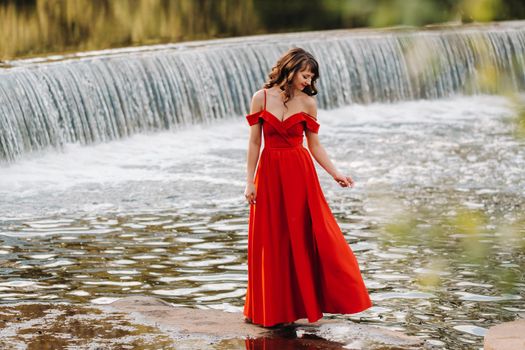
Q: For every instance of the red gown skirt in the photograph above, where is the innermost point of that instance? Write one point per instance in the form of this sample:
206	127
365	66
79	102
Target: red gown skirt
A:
299	263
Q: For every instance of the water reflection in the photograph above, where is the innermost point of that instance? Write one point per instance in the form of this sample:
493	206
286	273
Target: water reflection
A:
282	338
291	343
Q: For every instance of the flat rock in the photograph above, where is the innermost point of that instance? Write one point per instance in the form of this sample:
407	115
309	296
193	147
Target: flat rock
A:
187	321
506	336
216	325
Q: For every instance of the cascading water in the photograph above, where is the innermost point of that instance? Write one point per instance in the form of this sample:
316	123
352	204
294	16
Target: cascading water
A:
117	93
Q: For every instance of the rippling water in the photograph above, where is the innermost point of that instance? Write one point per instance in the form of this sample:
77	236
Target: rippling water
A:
164	215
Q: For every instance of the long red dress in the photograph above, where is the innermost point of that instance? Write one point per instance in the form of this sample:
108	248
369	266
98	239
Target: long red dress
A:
299	263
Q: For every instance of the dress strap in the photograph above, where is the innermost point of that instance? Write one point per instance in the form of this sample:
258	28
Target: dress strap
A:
264	108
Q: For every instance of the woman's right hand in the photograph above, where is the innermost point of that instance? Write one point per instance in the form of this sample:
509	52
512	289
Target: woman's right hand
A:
250	193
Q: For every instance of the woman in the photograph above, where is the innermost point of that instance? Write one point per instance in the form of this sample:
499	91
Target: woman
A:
299	263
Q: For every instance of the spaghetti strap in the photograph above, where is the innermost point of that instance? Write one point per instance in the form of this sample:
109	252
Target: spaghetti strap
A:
264	108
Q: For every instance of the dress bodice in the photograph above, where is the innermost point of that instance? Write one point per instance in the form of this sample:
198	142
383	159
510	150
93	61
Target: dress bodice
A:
282	134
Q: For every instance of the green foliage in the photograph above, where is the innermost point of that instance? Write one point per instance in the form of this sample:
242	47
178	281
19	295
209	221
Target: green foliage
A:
29	28
469	237
519	119
45	26
408	12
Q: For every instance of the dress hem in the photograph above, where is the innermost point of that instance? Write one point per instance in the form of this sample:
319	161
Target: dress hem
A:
310	320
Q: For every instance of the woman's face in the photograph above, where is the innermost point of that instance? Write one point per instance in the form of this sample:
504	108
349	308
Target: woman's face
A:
303	78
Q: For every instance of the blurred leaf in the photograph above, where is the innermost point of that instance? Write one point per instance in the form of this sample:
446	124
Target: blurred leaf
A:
408	12
480	10
431	276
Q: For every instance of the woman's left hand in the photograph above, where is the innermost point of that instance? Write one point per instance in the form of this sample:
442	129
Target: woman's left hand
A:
343	181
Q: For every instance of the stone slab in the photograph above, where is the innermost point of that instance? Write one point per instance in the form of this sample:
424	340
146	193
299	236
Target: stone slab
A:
216	325
506	336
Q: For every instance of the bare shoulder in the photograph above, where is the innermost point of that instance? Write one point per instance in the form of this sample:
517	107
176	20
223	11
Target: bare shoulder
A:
310	105
258	95
257	102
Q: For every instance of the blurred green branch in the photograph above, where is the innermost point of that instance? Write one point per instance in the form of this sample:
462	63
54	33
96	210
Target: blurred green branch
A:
469	238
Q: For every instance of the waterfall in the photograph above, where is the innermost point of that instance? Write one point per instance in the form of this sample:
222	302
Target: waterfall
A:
93	98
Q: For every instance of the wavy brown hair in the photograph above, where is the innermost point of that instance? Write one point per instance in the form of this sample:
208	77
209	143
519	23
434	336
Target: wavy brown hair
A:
283	73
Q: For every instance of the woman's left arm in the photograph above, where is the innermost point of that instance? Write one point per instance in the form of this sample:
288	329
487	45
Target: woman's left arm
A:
320	155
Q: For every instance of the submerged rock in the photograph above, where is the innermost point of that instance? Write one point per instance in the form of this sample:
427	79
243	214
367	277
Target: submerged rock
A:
70	326
357	336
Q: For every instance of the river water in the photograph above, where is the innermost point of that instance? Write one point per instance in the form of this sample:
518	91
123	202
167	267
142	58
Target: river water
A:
435	220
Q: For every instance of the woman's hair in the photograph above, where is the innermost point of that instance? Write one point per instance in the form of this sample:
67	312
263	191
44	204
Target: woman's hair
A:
292	62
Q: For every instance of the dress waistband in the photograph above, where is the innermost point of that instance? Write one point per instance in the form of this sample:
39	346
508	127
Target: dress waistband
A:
285	147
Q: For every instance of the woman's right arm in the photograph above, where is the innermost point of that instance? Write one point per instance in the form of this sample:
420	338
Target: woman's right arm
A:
254	147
